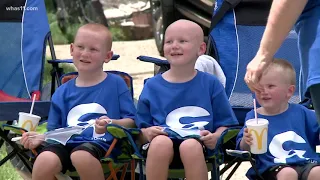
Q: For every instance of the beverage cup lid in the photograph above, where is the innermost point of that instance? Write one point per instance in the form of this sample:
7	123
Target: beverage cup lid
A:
253	122
28	114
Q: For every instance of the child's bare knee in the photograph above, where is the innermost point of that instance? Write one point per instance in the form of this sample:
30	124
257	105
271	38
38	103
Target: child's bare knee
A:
314	173
46	163
287	173
48	158
161	145
190	144
162	142
80	157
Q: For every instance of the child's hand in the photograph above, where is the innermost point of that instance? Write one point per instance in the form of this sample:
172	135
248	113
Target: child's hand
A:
247	137
209	139
152	132
101	123
31	140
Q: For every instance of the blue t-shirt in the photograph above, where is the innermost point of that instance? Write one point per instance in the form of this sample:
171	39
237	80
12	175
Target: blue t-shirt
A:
72	105
311	4
200	102
292	138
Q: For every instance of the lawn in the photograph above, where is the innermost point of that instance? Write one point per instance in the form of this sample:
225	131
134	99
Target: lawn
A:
7	172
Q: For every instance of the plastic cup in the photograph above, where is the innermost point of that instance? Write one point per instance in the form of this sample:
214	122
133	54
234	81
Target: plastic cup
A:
28	121
259	132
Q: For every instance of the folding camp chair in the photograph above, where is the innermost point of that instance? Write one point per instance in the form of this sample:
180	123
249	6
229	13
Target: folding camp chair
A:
24	32
112	165
234	40
213	160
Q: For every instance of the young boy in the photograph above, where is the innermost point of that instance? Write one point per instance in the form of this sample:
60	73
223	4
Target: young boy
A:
94	96
182	97
293	131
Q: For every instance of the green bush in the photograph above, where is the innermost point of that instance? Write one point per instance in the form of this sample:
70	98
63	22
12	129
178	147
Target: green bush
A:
118	34
65	38
57	36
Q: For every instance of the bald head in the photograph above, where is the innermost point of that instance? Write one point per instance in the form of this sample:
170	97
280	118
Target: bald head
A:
99	30
187	26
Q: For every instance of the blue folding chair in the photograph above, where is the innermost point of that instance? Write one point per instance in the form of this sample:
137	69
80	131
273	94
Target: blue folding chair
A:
24	33
234	40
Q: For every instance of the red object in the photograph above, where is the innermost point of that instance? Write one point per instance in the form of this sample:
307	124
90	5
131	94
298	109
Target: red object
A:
4	97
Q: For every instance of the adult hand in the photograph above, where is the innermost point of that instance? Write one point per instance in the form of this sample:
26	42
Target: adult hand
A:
209	139
152	132
255	68
31	140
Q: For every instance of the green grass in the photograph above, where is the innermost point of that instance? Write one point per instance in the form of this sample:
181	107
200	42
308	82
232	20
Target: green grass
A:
7	172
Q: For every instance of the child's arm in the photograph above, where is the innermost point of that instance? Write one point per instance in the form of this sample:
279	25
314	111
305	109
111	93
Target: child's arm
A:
144	117
55	113
223	115
103	121
127	108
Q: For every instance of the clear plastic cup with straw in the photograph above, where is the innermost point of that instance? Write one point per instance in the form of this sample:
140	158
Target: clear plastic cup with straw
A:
29	121
258	128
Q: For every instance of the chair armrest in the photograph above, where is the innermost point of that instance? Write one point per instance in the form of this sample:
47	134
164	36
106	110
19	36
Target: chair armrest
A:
226	136
239	153
120	132
153	60
15	129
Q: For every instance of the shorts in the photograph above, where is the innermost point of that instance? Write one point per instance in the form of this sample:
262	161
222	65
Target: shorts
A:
176	162
64	152
302	170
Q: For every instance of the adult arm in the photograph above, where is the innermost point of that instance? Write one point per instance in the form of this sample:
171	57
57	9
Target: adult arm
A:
282	17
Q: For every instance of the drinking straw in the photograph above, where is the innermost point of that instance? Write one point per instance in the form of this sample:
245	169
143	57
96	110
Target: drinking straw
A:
255	110
32	105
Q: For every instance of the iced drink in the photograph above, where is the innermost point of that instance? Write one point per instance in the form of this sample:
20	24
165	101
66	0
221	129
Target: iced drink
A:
259	132
28	121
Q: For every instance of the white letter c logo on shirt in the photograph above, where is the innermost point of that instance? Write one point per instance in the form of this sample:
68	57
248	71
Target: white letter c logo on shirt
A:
173	118
276	146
